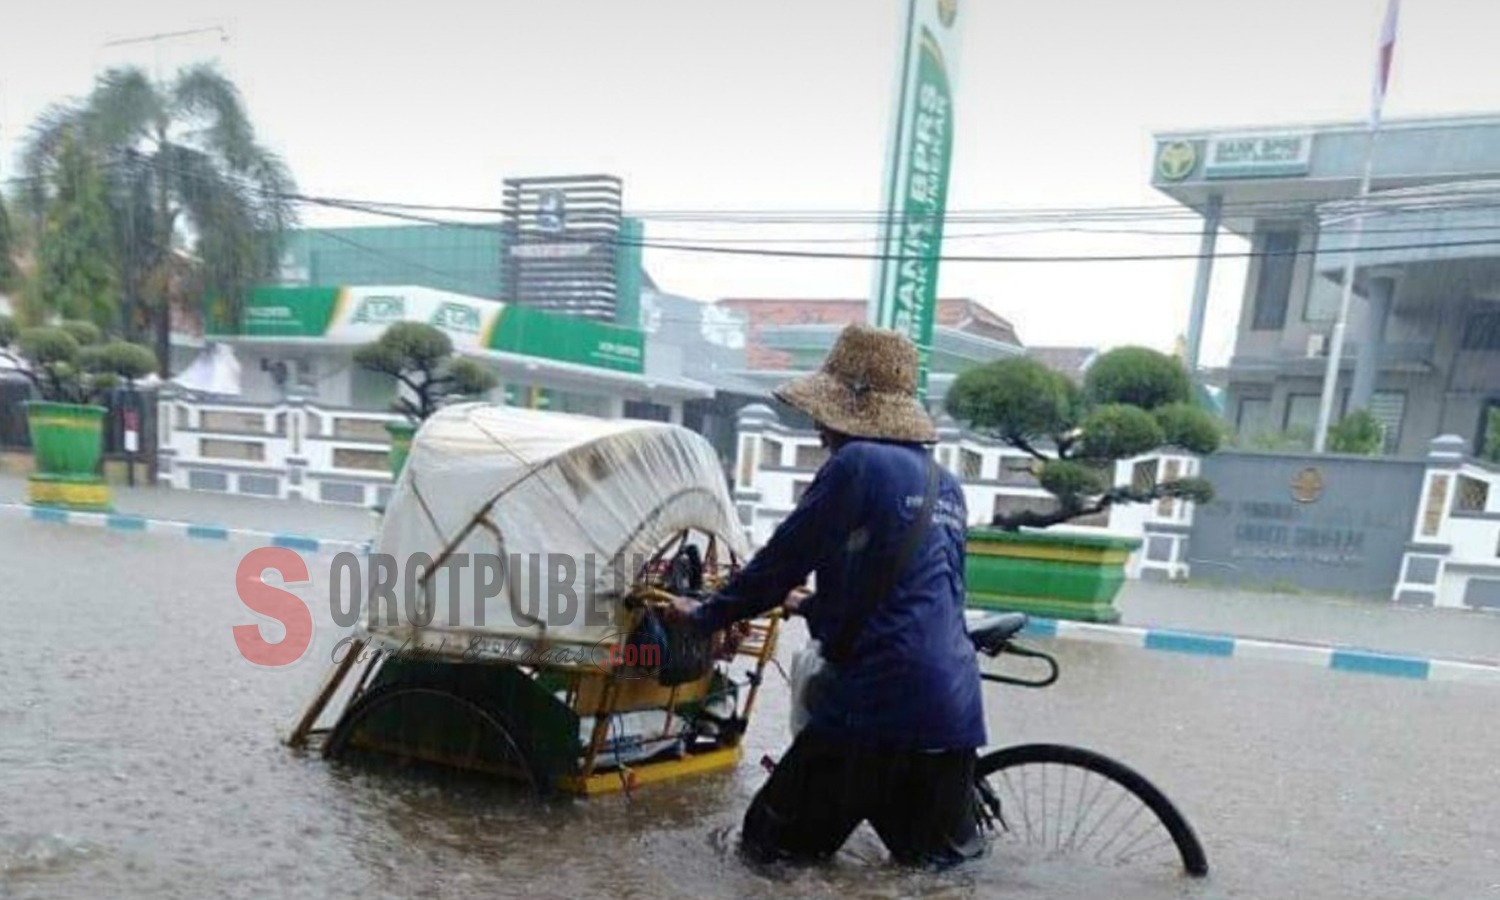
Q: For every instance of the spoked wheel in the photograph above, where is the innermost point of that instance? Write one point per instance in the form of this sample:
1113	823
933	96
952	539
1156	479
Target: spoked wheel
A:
437	725
1069	801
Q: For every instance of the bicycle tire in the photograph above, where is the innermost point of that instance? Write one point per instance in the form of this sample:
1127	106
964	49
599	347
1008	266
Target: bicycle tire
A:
522	766
1019	760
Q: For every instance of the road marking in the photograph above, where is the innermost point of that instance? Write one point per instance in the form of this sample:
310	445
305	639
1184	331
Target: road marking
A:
1184	642
190	530
1379	664
1332	658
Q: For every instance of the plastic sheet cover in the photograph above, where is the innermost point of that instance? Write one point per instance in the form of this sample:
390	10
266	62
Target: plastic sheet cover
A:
572	505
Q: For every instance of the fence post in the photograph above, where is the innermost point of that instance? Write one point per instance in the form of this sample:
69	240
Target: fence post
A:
166	449
751	423
296	460
1420	580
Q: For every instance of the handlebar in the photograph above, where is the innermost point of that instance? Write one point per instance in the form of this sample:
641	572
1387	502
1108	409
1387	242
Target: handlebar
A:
1011	647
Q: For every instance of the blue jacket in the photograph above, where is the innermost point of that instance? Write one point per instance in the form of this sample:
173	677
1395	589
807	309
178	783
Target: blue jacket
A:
912	682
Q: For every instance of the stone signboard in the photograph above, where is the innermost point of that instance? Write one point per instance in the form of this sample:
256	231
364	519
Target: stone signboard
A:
1322	523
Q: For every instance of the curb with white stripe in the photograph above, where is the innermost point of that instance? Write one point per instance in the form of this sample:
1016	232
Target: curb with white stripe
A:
193	530
1326	656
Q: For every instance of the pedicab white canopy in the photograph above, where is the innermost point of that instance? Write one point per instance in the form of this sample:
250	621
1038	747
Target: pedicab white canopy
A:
568	502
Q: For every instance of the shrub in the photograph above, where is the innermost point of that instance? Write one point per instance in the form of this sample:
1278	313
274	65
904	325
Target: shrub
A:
1358	433
1133	401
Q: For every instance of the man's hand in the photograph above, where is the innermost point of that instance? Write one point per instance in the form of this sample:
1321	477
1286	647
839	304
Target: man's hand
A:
794	600
680	609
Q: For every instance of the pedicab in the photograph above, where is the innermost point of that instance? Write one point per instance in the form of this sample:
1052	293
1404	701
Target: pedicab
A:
535	553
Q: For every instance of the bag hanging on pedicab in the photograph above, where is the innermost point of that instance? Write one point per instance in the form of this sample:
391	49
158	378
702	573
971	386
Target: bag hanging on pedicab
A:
675	651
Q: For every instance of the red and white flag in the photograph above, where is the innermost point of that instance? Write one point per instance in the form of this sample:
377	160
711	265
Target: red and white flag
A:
1383	61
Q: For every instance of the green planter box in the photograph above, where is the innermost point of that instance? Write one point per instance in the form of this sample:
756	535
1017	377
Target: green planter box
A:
1048	574
67	440
401	434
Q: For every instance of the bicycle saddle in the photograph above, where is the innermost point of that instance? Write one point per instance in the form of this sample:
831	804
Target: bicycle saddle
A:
990	633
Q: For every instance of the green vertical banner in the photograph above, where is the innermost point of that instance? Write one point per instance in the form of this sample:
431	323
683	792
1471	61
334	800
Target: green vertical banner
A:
916	188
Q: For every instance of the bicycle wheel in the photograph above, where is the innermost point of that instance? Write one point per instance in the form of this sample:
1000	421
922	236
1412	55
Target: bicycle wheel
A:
1070	801
439	725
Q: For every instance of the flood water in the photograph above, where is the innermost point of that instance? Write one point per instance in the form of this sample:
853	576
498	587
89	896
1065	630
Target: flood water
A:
139	757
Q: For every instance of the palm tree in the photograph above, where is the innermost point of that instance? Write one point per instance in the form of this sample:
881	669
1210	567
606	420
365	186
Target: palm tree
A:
75	276
10	273
188	179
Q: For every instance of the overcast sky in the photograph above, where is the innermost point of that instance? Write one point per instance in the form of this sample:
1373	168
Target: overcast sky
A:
783	104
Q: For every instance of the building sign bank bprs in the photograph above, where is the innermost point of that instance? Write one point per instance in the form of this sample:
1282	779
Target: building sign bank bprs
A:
1258	156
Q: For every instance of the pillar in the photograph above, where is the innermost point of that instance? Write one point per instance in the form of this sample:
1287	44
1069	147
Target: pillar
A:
1367	364
1206	245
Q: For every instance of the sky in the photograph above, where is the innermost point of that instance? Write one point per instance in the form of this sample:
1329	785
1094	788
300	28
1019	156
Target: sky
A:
727	105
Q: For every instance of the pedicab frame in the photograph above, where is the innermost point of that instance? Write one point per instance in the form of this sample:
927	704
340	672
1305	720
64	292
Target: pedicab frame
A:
491	686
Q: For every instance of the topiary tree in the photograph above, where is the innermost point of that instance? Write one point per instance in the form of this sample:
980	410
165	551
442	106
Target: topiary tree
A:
66	363
420	357
1133	400
1358	433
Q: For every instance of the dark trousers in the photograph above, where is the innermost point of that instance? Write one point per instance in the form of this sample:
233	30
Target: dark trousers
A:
922	805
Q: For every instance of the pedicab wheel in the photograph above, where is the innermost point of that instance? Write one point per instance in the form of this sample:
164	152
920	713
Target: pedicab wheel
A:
475	735
1073	802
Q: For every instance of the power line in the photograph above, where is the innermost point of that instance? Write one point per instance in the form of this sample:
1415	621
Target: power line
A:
1384	206
871	257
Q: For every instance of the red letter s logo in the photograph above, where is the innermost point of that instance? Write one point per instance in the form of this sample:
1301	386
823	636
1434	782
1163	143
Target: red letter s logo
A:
283	606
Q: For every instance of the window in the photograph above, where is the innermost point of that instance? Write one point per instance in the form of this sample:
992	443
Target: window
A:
1143	475
1165	506
811	456
798	489
305	377
1432	516
747	462
1019	471
1472	495
210	448
360	429
1487	435
1301	413
1011	504
770	454
232	422
1482	332
1254	417
579	404
970	465
648	411
372	460
1274	286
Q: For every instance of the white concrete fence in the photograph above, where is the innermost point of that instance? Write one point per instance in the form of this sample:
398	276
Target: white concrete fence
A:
290	450
775	463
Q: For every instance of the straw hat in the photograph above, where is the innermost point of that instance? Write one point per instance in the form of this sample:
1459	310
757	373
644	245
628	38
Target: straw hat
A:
866	388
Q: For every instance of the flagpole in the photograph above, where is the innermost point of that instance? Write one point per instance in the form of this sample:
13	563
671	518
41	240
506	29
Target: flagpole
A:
1340	325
